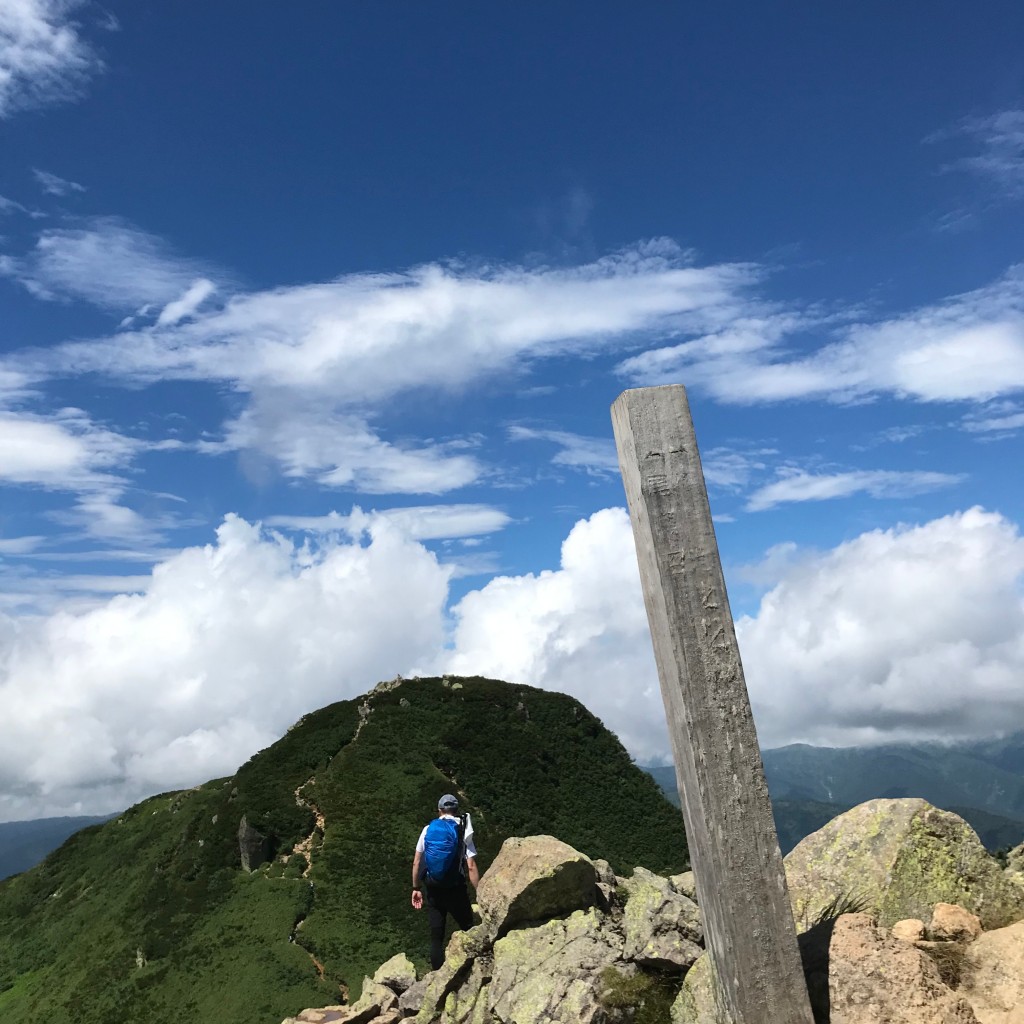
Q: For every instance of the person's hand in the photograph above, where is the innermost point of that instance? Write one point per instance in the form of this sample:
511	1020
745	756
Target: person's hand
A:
417	899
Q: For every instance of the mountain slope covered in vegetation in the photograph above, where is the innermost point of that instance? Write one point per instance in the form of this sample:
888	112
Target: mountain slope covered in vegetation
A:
150	917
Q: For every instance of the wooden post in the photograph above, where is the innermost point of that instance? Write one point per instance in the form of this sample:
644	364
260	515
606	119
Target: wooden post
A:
737	866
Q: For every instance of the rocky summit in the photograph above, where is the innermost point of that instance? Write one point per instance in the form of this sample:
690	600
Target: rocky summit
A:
563	938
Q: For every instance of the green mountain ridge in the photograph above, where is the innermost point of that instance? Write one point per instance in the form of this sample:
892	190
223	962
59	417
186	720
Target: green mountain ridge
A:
151	918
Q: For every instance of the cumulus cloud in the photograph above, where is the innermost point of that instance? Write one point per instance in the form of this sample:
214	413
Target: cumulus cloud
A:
796	485
229	644
969	347
580	629
43	58
915	633
113	265
903	634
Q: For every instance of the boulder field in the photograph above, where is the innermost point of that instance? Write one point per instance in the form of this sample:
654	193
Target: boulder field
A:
903	919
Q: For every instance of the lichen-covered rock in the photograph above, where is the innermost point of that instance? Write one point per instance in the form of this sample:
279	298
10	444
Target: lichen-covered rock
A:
552	972
899	858
951	923
1015	865
535	879
662	928
994	980
699	1000
398	974
685	885
463	949
468	1004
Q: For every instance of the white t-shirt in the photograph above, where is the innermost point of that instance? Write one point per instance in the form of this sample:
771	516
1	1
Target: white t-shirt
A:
470	845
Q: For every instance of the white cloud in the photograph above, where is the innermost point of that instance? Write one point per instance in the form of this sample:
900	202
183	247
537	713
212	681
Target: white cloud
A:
904	634
65	452
418	522
999	418
320	362
54	185
580	629
113	265
968	348
594	455
228	646
68	452
198	292
366	338
43	59
340	450
20	545
797	485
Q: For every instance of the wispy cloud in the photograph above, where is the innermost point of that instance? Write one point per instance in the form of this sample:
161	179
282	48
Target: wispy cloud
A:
999	158
320	361
67	452
798	486
43	58
54	185
112	265
594	455
996	418
418	522
969	347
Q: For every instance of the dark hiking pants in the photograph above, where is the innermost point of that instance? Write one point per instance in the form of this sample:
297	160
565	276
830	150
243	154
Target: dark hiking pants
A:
440	903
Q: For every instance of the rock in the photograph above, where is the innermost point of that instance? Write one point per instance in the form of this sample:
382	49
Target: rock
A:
857	973
535	879
897	859
253	846
467	1004
398	974
411	1000
910	930
605	874
662	929
685	885
552	973
994	979
951	923
463	948
698	1001
355	1014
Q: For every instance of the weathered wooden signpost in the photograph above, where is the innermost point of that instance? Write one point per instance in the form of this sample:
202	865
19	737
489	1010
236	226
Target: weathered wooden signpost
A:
737	866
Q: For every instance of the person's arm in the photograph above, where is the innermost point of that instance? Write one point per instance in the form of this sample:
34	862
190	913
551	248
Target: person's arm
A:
472	871
417	892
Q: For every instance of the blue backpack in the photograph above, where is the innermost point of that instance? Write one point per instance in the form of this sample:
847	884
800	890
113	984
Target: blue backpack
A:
443	847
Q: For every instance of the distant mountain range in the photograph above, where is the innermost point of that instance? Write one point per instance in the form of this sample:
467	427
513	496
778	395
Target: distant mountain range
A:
24	844
983	782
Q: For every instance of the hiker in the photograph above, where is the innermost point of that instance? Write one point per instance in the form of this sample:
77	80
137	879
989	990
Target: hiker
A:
445	857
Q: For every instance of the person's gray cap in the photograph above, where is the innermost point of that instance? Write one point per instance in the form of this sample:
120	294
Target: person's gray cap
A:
448	801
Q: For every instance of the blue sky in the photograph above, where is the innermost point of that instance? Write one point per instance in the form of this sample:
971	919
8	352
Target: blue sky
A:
310	320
